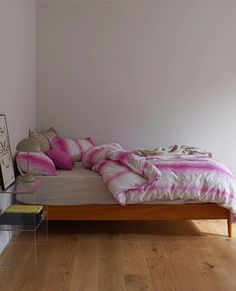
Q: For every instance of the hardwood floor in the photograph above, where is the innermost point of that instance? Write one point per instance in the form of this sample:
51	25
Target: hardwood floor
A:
129	256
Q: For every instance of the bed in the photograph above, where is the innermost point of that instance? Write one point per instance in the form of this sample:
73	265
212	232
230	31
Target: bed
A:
81	194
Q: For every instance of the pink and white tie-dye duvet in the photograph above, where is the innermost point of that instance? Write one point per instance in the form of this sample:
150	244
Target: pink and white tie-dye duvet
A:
133	179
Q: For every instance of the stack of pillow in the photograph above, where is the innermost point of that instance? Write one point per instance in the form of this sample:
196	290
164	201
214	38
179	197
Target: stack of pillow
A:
56	153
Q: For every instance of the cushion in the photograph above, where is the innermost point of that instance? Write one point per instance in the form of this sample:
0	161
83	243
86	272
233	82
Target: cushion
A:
60	159
74	148
68	146
85	144
42	138
39	164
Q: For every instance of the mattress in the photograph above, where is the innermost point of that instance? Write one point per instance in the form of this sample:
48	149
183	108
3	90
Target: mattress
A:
77	187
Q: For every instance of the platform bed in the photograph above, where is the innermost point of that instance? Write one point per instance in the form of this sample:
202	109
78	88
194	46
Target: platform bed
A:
137	212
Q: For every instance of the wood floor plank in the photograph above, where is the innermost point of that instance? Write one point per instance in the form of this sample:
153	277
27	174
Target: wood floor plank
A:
8	278
172	269
138	282
132	252
29	278
110	268
127	256
85	267
59	275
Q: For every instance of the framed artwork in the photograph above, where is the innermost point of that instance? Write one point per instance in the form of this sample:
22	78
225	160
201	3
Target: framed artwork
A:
7	174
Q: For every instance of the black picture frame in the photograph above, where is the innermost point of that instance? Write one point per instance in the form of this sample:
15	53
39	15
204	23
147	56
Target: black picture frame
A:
7	174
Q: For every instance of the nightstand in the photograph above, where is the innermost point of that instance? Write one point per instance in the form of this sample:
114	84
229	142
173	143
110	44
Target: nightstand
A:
23	223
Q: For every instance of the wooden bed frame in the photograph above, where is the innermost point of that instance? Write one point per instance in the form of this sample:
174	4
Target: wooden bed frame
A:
141	212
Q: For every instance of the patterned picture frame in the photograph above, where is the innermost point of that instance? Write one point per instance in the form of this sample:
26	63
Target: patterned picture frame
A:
7	174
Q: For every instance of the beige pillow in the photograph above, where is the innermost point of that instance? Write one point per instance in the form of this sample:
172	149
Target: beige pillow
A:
42	138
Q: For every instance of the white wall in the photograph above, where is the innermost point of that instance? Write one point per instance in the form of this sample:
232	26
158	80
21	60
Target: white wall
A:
17	71
17	66
142	73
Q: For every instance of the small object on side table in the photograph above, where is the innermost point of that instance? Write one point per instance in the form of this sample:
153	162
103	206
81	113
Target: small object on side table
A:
28	216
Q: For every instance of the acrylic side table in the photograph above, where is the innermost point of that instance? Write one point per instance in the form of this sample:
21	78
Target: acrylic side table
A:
24	235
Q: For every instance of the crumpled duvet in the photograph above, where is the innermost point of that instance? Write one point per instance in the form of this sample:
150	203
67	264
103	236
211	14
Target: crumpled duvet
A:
134	179
174	150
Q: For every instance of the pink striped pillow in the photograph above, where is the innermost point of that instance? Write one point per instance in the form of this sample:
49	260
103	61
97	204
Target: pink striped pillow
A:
74	148
85	144
39	164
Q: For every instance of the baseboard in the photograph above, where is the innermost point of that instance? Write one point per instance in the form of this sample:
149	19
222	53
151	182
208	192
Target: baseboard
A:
5	237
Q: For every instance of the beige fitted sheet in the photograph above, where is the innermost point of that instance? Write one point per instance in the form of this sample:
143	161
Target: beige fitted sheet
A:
78	187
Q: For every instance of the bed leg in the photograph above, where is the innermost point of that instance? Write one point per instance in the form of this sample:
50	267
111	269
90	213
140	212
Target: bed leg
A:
230	227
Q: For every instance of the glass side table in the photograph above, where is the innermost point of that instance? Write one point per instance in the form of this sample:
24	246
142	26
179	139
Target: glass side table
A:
26	230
